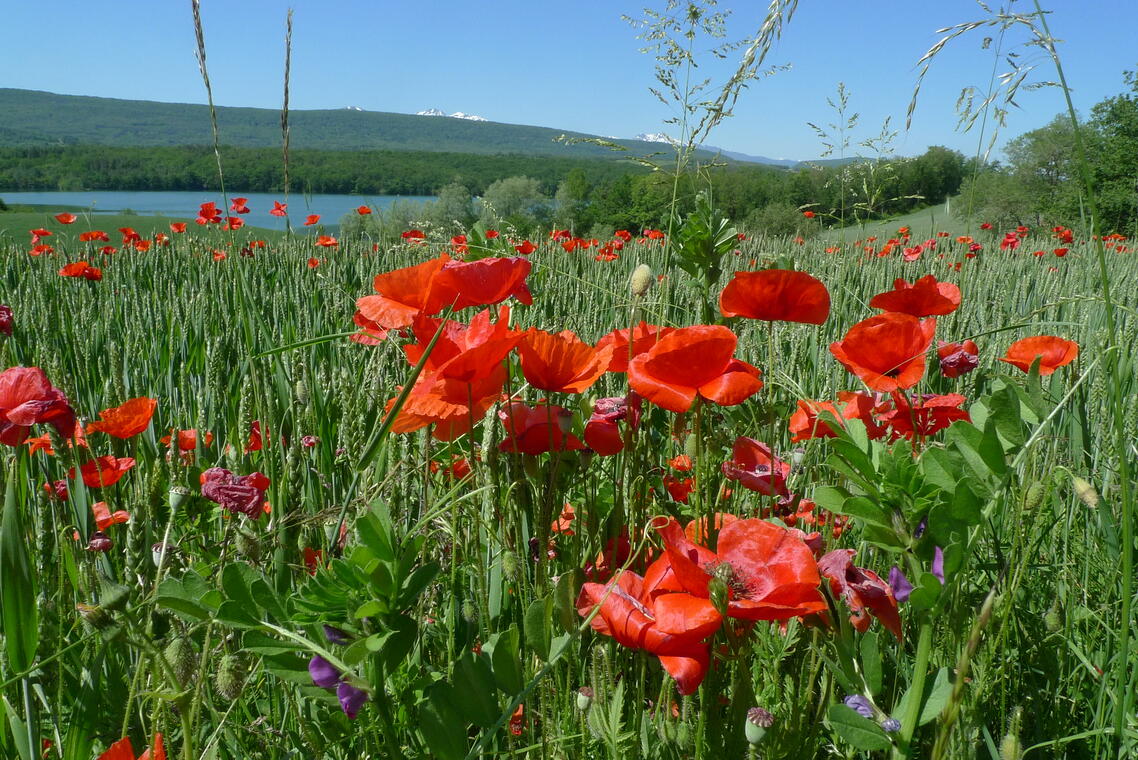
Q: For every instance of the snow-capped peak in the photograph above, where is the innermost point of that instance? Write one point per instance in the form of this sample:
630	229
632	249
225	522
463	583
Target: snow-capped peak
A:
455	115
657	137
352	108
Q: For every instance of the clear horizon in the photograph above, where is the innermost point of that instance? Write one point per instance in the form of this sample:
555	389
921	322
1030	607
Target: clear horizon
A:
578	69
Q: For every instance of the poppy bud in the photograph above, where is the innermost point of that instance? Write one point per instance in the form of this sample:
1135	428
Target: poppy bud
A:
1085	491
95	616
756	725
229	681
510	565
641	280
1010	747
183	659
469	611
114	596
1033	496
584	698
1053	618
248	546
691	447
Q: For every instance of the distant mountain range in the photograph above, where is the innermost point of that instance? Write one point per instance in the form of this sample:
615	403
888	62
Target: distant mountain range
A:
660	137
31	118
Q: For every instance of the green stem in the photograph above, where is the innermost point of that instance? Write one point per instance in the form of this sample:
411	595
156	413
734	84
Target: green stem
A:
904	748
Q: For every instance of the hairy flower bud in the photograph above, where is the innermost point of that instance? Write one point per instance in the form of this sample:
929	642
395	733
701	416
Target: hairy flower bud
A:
229	680
641	280
183	659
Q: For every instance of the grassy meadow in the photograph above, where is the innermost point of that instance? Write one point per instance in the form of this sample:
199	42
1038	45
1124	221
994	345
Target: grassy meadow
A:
423	568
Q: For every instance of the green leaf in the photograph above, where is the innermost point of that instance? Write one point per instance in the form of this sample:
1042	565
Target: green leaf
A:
376	537
926	592
442	729
871	664
539	626
506	660
859	732
268	600
19	615
237	615
965	505
262	643
398	641
937	693
565	599
414	584
474	687
236	580
939	468
1005	415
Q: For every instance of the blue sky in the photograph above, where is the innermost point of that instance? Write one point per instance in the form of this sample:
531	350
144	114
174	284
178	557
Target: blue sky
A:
572	65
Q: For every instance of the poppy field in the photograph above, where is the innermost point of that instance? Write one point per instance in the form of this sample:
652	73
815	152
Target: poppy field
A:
694	492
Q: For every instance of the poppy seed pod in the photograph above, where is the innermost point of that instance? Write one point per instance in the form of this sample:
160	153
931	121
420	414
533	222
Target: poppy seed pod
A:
756	725
177	497
641	281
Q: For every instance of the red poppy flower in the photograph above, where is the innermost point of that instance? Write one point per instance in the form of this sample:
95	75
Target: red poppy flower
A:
693	361
1051	351
27	398
177	227
122	750
927	416
768	570
808	214
561	362
644	337
103	471
327	241
40	233
451	405
862	590
887	351
602	433
311	219
413	235
65	218
924	298
635	612
127	420
81	269
363	210
756	469
537	429
957	359
187	440
243	494
680	489
93	235
525	248
313	559
237	206
464	352
279	209
781	295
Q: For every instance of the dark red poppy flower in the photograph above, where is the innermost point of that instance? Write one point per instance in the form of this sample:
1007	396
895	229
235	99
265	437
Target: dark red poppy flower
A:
680	489
862	590
602	431
561	362
644	337
5	320
27	398
957	359
923	416
924	298
1052	352
243	494
537	429
768	570
104	471
887	351
776	295
693	361
127	420
756	468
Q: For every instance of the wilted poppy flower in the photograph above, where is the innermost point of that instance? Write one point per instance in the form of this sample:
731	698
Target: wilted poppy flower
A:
693	361
311	219
1052	352
769	571
756	468
65	218
537	429
561	362
924	298
5	320
862	590
103	471
127	420
776	295
957	359
244	494
104	518
887	351
27	398
122	750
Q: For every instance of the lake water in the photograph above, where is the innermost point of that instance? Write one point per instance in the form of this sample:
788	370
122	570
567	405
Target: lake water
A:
183	206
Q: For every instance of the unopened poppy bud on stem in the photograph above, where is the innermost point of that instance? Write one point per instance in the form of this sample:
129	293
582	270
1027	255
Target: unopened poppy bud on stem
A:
584	698
641	280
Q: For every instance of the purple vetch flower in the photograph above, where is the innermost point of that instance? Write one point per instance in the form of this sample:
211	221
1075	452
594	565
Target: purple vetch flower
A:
323	673
920	531
890	725
336	636
351	699
938	564
900	584
860	705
